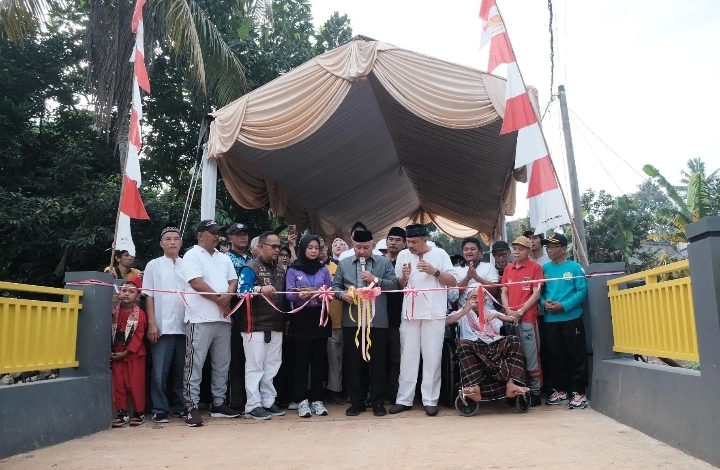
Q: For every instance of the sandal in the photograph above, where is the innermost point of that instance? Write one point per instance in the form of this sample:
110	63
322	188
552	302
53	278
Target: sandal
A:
120	420
137	419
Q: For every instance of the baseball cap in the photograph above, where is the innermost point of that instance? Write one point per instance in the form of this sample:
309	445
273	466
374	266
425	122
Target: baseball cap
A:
501	245
208	226
556	239
237	228
523	241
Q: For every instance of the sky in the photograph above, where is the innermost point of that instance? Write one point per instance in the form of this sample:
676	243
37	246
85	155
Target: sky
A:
640	74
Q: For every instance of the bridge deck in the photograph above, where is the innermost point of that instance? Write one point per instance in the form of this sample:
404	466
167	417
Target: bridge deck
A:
546	437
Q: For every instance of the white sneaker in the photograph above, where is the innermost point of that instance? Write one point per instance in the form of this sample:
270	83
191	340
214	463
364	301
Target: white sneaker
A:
318	408
292	406
304	409
578	401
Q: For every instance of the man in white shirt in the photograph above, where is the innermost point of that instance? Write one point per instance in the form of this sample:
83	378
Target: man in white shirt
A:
166	326
212	275
422	266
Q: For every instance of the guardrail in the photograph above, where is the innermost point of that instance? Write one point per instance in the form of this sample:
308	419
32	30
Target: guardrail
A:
657	318
36	334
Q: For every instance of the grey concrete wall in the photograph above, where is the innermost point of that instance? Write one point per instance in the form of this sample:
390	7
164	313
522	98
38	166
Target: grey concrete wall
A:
676	406
39	414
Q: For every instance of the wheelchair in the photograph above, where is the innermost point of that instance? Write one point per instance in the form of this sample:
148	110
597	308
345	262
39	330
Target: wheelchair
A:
451	392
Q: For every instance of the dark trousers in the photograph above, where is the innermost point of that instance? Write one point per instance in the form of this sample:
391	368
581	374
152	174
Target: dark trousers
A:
236	377
544	354
354	366
568	355
309	354
393	361
167	354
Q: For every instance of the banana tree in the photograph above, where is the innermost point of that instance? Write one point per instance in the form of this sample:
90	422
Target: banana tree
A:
680	212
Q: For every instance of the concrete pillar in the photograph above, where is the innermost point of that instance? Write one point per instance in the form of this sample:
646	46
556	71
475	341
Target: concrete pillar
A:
704	255
598	323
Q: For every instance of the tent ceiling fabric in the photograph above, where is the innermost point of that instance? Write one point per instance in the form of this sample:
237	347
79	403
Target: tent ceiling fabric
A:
375	133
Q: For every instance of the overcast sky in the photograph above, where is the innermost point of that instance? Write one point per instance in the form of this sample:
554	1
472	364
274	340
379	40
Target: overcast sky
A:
642	74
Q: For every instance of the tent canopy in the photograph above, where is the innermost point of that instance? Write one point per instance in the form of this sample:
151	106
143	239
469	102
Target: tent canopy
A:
374	133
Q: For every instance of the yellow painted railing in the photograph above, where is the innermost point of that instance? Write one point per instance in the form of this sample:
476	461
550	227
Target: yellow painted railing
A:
37	335
657	319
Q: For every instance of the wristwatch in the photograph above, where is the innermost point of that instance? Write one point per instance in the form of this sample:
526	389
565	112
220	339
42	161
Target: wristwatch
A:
437	273
257	289
520	312
376	280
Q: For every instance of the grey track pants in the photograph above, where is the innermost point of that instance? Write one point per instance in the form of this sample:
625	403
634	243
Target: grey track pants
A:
201	338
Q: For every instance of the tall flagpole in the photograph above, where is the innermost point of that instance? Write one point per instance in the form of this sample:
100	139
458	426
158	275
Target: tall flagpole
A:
573	224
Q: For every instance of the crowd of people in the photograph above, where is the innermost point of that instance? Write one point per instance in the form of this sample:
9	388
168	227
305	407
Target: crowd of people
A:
253	324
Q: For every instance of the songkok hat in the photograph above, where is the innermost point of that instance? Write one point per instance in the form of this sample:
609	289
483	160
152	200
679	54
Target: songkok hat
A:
397	232
170	228
362	236
416	230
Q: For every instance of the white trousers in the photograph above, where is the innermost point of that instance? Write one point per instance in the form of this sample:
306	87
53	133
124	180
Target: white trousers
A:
262	362
416	337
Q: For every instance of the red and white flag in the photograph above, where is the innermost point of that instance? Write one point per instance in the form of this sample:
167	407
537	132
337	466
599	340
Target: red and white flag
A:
547	208
131	205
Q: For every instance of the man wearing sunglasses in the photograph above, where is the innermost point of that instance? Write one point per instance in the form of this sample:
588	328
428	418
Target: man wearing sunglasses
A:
262	332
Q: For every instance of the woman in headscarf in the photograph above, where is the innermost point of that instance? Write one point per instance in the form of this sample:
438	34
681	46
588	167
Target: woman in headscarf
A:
122	266
309	338
338	247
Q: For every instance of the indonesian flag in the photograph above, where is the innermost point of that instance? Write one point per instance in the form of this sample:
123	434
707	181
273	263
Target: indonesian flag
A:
547	208
131	205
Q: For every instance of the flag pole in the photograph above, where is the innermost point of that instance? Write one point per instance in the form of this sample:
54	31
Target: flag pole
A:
117	217
573	227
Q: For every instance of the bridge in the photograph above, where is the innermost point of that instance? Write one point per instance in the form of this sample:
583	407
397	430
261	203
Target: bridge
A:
642	414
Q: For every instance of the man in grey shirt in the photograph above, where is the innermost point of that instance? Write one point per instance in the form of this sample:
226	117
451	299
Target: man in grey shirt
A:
361	270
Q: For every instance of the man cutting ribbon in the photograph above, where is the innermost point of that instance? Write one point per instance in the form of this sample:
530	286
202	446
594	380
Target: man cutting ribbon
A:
353	273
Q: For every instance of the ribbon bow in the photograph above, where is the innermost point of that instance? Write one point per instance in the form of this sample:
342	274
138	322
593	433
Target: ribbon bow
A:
412	293
366	313
326	295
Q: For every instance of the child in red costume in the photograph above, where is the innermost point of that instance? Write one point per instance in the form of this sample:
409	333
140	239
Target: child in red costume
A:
129	323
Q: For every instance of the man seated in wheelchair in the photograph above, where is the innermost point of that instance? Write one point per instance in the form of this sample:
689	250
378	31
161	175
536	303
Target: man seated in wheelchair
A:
492	366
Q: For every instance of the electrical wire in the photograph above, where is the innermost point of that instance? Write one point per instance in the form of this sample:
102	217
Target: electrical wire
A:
596	155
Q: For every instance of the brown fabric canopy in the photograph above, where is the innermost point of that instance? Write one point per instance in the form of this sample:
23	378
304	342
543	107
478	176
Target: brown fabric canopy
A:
374	133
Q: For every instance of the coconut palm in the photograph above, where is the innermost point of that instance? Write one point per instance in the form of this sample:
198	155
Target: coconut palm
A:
681	211
181	26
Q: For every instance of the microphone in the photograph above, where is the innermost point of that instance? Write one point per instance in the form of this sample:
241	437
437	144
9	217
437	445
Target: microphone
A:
362	263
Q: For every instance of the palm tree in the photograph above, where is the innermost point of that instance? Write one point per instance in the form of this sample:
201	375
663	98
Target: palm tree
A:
181	26
681	211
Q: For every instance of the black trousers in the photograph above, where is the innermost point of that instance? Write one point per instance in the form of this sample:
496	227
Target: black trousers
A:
354	366
393	362
236	396
310	354
568	354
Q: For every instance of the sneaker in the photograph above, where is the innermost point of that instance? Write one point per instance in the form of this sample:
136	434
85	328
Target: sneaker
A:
258	413
292	406
578	401
558	398
318	408
275	410
137	419
193	418
160	418
223	411
180	414
121	419
304	409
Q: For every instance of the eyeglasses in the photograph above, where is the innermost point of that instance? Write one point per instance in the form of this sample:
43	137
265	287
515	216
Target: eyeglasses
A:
284	255
274	247
501	254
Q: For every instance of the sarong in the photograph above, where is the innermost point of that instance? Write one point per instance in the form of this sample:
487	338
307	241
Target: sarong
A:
489	366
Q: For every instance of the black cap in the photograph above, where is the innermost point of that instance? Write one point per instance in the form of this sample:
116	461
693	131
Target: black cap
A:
208	226
556	239
237	228
362	236
416	230
501	245
358	225
531	233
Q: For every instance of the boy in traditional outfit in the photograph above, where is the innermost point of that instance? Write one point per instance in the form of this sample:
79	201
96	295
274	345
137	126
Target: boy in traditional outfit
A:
128	355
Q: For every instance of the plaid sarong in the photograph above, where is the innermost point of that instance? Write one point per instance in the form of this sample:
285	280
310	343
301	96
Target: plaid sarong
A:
491	365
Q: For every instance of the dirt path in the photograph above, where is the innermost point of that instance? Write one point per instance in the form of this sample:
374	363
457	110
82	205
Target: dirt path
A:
544	438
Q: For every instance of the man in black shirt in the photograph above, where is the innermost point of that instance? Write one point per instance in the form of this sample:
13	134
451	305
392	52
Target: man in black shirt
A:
395	244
